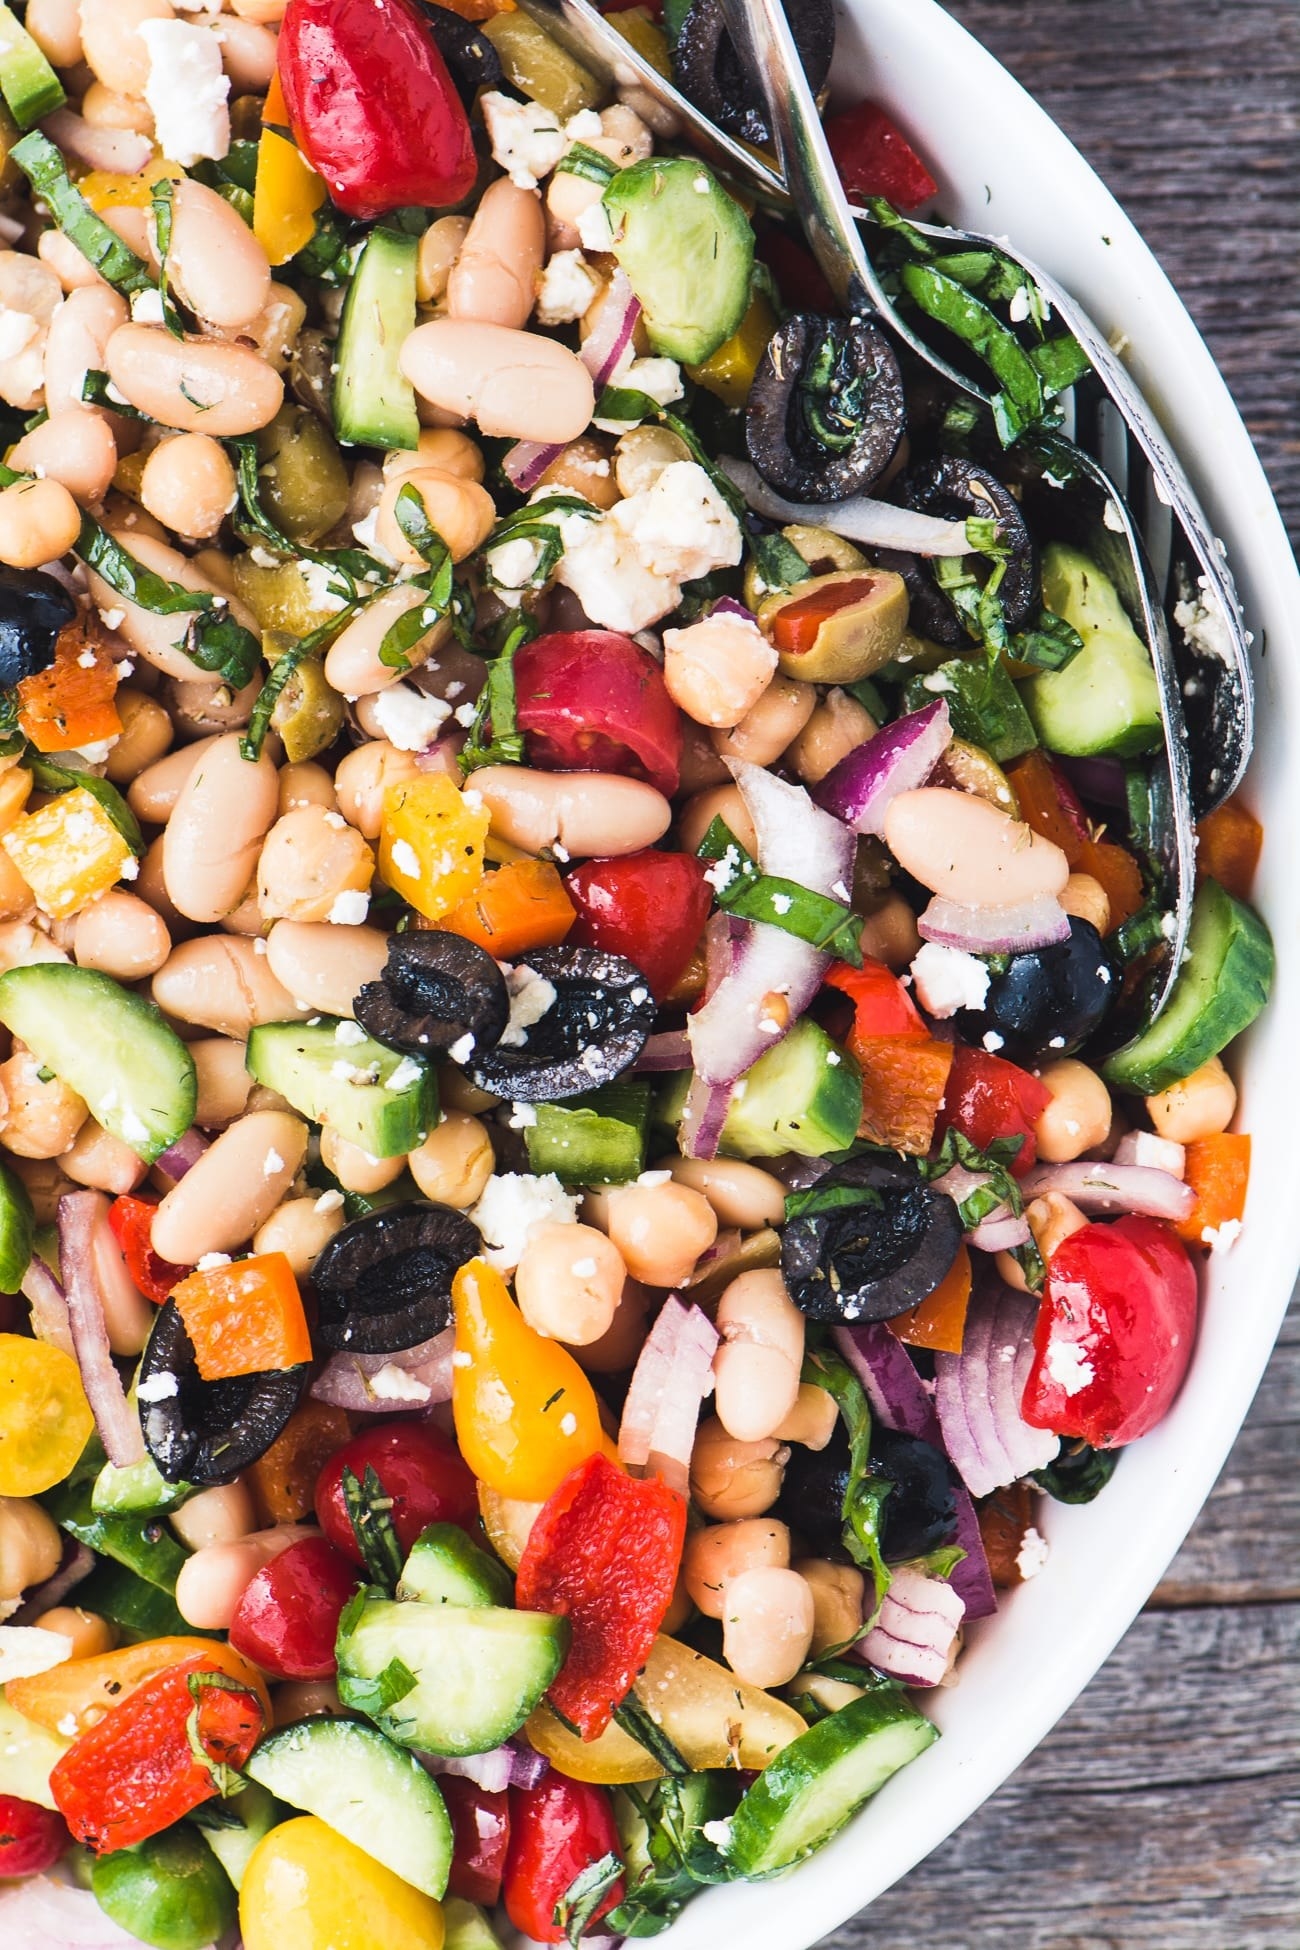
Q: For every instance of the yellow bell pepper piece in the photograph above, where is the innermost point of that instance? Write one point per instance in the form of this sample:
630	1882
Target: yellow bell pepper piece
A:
68	852
105	190
729	373
641	34
286	196
431	844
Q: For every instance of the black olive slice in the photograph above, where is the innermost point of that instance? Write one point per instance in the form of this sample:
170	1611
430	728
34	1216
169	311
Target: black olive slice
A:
920	1512
1048	1001
708	71
384	1282
34	607
826	409
201	1431
472	61
872	1260
953	489
436	990
588	1032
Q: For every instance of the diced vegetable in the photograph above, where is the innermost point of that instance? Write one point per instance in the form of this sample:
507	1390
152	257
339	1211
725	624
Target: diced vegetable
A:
519	906
431	844
688	251
73	701
903	1083
1218	1171
939	1321
68	852
1228	845
245	1317
45	1419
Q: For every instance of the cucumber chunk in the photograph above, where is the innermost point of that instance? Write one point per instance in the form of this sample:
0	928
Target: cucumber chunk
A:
1223	984
688	251
17	1230
28	1751
445	1680
467	1927
595	1139
374	404
445	1568
258	1813
816	1783
28	83
365	1789
373	1096
1106	699
138	1487
803	1096
110	1046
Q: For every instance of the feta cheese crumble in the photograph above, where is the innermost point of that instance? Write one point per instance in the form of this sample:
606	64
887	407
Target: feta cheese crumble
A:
512	1204
1203	622
26	1650
565	289
187	90
406	859
1033	1554
1221	1239
408	718
627	567
948	979
1069	1367
157	1388
349	909
527	139
531	995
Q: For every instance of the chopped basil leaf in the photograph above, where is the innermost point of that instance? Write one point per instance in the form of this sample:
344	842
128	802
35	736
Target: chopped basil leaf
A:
584	161
53	777
584	1895
369	1511
101	246
866	1492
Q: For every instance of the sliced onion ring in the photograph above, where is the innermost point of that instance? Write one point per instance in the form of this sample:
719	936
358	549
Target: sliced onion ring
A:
1037	923
877	524
1141	1189
865	783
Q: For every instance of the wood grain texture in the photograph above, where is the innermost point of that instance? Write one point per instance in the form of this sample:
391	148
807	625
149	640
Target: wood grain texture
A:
1164	1812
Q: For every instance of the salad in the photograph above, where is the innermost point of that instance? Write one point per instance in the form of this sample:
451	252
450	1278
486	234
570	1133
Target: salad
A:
582	1140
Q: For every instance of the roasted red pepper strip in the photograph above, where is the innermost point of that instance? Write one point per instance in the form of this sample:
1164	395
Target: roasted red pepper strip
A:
372	106
988	1098
130	1220
875	158
881	1005
604	1553
140	1768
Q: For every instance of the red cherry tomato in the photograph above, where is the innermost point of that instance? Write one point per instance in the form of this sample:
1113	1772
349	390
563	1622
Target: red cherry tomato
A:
129	1221
32	1838
557	1829
372	106
480	1828
419	1469
649	906
875	158
594	701
1114	1334
287	1617
988	1098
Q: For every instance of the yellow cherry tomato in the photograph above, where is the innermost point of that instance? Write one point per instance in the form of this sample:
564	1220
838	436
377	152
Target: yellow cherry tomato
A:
45	1419
306	1888
525	1412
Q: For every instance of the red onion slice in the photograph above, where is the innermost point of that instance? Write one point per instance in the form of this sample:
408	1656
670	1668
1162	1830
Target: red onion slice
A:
999	1232
611	335
865	783
672	1377
914	1635
1140	1189
796	839
78	1563
120	152
878	524
703	1116
728	606
1011	930
514	1764
977	1393
388	1384
900	1398
669	1050
116	1420
525	463
182	1156
773	979
49	1305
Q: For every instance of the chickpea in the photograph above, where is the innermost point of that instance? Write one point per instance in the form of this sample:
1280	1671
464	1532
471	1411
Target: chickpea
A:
307	1699
813	1419
97	1159
308	859
618	1347
890	934
363	776
735	1479
1078	1117
30	1546
440	246
146	735
719	1553
568	1282
189	484
45	1183
73	447
767	1626
642	455
1201	1106
88	1634
756	1368
838	1591
212	1582
661	1230
217	1516
306	784
460	511
584	468
717	670
701	768
838	726
42	1116
301	1229
1087	898
354	1168
39	522
719	802
772	724
1051	1219
445	449
455	1161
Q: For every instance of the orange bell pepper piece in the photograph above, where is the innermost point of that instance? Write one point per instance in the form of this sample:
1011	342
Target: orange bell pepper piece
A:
939	1321
283	1481
244	1318
1228	843
68	852
1218	1171
71	1698
1045	809
521	906
73	702
903	1081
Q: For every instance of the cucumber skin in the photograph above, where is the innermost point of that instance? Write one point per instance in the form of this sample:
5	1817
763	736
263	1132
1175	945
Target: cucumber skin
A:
636	204
365	413
445	1567
770	1803
290	1056
17	1230
760	1125
1223	985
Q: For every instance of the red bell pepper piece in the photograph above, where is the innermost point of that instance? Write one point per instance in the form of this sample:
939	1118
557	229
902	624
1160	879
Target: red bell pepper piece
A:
595	701
798	275
558	1829
156	1756
988	1098
1115	1333
372	106
875	158
881	1005
480	1830
130	1220
604	1553
649	906
32	1838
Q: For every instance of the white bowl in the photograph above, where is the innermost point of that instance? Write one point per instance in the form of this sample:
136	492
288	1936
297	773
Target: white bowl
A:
1005	168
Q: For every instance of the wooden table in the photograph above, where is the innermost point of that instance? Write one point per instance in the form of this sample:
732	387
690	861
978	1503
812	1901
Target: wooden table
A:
1164	1812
